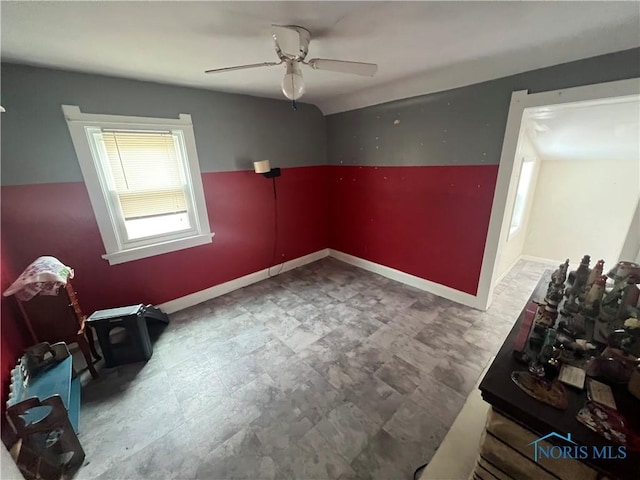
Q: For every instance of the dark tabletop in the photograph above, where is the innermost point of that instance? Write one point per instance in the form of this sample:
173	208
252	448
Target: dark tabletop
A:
505	396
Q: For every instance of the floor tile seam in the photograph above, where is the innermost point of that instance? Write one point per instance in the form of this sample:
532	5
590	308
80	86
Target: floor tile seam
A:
474	381
341	325
347	461
420	334
229	394
131	453
450	354
458	364
433	380
275	382
366	415
308	448
277	458
135	388
423	411
183	361
338	391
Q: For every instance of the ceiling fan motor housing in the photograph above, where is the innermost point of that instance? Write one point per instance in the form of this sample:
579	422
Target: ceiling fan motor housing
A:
291	41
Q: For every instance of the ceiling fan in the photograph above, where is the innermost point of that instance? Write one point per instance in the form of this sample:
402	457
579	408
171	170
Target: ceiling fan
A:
292	45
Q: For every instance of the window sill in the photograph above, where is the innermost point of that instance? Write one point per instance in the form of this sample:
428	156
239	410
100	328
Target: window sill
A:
132	254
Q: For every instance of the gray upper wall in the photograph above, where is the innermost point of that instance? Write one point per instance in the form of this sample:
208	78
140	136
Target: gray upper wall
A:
231	130
463	126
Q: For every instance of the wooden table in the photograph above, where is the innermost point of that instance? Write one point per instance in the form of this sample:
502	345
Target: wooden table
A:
505	397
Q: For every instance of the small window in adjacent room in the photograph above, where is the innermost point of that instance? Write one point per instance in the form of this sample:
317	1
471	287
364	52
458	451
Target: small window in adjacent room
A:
144	182
519	207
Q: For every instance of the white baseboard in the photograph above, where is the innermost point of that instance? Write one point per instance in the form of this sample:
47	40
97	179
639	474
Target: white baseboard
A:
529	258
506	272
408	279
546	261
223	288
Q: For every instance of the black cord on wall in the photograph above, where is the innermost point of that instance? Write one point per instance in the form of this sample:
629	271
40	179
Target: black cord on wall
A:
275	232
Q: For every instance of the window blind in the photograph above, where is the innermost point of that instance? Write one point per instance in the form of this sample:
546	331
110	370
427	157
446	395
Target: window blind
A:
147	174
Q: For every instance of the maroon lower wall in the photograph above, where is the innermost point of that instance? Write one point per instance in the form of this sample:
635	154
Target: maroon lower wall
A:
429	221
57	219
13	337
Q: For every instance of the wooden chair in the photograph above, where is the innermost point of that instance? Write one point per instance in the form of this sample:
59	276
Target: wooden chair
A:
58	318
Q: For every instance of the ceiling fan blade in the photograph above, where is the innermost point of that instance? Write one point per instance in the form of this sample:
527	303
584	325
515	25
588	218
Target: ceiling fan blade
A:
357	68
242	67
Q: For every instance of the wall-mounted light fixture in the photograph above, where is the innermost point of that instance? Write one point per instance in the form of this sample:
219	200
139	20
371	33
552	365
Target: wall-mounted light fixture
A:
265	169
2	110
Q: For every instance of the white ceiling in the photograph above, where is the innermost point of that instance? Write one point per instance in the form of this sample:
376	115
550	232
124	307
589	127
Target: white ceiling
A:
420	47
586	131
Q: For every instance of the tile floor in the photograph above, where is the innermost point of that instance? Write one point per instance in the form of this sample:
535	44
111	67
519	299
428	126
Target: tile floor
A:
323	372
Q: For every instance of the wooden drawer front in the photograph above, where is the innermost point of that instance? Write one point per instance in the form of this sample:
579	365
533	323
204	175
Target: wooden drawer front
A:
509	461
508	443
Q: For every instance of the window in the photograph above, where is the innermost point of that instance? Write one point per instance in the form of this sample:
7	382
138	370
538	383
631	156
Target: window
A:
144	182
519	207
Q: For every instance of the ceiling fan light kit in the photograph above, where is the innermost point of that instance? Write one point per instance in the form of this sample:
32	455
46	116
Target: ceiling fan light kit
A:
292	45
293	83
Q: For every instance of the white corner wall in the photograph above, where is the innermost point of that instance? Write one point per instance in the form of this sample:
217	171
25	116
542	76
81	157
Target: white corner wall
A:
631	248
514	246
582	207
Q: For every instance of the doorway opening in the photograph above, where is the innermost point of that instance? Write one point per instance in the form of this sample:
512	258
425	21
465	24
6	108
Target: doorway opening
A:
568	180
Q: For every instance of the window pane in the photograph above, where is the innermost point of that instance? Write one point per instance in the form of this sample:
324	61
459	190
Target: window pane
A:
526	174
152	202
159	225
147	174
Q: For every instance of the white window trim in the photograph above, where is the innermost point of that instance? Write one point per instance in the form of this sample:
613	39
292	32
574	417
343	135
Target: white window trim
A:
116	252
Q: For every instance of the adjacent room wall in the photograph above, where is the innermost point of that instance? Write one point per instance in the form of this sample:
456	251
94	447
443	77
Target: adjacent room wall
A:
412	181
582	207
631	248
514	247
46	208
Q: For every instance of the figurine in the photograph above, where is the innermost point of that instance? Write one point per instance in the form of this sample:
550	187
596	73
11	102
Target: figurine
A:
560	275
571	305
576	326
595	273
577	280
629	297
555	289
549	355
591	305
554	296
579	277
564	268
627	339
546	315
624	269
621	297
